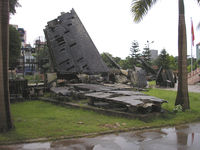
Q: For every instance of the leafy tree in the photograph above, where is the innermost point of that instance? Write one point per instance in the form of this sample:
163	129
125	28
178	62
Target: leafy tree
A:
194	66
14	46
106	60
173	62
163	60
117	60
135	53
123	63
44	59
127	63
198	63
166	61
139	10
146	54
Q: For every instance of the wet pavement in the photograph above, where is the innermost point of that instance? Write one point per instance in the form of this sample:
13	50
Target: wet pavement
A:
185	137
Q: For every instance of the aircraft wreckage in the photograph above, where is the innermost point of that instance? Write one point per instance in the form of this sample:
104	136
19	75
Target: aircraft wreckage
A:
71	48
76	59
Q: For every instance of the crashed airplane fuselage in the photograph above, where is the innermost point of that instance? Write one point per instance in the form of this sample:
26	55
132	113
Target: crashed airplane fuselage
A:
71	48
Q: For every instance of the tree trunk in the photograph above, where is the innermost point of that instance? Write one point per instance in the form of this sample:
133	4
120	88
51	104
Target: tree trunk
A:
182	97
5	117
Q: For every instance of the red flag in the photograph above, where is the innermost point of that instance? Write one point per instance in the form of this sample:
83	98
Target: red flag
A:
192	31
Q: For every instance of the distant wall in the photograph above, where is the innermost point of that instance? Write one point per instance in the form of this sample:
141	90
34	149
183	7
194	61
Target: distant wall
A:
194	76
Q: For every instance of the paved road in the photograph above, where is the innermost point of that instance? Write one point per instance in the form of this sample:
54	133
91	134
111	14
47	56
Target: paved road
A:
185	137
191	88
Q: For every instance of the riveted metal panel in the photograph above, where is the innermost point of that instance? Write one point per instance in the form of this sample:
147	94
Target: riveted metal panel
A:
71	48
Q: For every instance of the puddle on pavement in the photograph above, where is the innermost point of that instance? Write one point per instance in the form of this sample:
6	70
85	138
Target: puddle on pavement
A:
177	138
33	146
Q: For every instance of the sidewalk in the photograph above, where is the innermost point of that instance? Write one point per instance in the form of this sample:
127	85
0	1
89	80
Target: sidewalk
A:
183	137
191	88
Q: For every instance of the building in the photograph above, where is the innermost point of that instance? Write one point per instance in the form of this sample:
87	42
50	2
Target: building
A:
154	54
22	34
198	51
27	62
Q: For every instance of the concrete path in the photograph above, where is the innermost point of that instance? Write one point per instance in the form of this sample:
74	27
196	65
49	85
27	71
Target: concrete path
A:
191	88
185	137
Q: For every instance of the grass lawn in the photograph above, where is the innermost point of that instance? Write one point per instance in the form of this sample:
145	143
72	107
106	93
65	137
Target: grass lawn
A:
36	119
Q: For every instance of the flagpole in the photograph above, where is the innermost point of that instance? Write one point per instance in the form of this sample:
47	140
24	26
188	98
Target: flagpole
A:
192	42
191	57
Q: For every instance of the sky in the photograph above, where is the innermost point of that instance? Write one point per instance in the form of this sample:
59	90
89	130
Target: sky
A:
110	23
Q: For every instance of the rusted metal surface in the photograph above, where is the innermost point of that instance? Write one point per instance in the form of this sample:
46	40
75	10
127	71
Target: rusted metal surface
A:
70	46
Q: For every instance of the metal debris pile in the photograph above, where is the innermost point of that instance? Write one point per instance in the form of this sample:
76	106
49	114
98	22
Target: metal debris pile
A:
118	97
81	72
76	58
165	78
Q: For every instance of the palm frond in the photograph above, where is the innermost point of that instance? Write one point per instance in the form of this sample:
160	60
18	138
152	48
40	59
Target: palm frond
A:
140	8
12	5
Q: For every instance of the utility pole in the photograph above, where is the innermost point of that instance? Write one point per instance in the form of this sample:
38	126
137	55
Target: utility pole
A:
23	61
148	43
38	48
192	43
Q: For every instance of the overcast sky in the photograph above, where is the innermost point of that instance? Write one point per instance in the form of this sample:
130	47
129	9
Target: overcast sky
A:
110	23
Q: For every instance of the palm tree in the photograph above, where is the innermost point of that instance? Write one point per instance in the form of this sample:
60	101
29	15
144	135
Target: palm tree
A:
6	6
139	10
5	117
12	5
